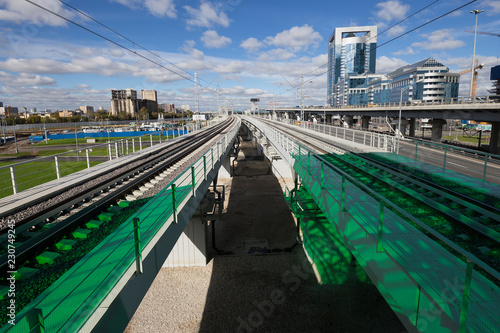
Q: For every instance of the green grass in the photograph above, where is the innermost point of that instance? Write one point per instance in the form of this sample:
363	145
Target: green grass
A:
98	140
35	173
463	138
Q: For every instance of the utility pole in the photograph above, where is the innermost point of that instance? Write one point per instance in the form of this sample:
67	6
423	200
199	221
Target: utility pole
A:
302	98
196	105
475	12
218	106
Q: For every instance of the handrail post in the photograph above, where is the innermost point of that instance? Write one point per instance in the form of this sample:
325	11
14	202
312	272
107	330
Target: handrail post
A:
444	158
416	149
322	179
174	204
109	151
137	245
485	166
140	143
193	180
13	177
342	198
465	296
309	162
380	248
133	145
35	320
116	149
58	170
204	167
88	157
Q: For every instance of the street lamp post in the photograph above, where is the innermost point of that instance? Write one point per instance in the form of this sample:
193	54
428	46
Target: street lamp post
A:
475	12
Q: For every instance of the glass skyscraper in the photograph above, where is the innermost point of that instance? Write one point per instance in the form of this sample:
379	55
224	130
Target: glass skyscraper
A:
351	51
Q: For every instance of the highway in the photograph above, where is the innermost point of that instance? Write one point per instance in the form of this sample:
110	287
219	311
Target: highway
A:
461	161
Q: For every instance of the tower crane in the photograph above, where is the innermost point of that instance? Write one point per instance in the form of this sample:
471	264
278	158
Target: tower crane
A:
474	78
484	33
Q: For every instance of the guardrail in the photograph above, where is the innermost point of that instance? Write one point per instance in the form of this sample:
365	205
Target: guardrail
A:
369	217
425	295
488	165
70	302
444	101
21	176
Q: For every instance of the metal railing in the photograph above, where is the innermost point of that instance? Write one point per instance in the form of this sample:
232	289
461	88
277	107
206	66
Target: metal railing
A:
482	165
124	251
21	176
346	190
443	101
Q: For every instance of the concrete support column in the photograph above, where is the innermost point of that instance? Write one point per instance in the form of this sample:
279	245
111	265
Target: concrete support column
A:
349	121
365	122
412	127
225	169
191	247
495	138
329	118
437	129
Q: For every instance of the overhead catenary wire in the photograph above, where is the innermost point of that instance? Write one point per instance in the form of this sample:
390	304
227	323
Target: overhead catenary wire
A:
121	35
380	33
393	39
118	44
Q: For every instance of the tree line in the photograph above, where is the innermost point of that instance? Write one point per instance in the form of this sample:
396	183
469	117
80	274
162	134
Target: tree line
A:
100	115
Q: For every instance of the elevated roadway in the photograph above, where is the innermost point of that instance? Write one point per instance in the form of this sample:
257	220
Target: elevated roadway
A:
482	109
415	266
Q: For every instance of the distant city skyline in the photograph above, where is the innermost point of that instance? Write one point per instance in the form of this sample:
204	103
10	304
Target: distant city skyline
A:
48	63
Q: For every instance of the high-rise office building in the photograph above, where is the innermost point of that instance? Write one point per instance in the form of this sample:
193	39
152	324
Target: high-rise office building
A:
425	81
351	50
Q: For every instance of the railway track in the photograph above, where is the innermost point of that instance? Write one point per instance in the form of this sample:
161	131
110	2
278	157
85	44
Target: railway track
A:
58	224
467	217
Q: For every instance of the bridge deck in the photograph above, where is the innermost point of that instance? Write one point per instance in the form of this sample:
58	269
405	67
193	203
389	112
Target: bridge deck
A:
412	269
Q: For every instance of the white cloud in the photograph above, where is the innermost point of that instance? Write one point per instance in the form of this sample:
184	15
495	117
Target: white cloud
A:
297	38
252	44
158	8
161	8
439	40
406	51
212	39
19	11
386	65
206	16
275	54
492	7
390	10
96	65
25	80
233	67
395	30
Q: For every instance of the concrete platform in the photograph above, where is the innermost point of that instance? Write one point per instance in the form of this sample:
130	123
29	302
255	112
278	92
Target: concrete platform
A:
258	293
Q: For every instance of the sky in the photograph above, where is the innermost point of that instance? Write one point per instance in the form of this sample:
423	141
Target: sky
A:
239	49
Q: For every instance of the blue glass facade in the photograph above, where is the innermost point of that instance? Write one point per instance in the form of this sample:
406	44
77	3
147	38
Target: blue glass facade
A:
351	51
426	81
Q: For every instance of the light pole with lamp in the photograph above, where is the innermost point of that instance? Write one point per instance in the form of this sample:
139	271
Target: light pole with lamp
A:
475	12
400	107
